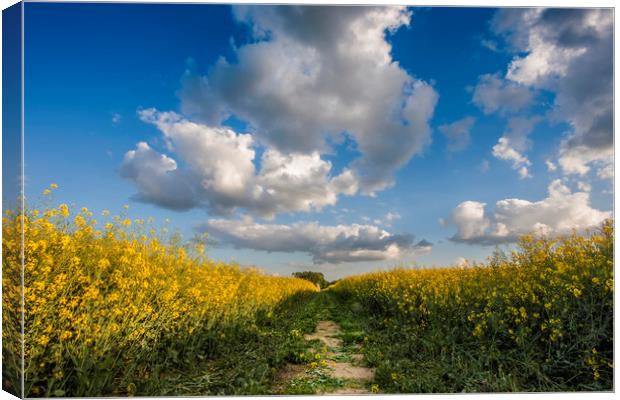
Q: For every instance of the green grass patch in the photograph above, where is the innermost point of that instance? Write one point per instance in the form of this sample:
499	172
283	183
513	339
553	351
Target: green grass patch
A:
314	381
246	359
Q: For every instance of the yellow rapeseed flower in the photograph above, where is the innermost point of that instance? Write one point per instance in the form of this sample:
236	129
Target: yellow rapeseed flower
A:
64	210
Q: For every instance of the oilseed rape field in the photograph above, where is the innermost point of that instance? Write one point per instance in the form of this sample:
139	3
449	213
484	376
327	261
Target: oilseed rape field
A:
118	306
106	301
540	319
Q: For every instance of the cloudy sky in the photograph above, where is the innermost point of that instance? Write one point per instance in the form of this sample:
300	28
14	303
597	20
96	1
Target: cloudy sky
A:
337	139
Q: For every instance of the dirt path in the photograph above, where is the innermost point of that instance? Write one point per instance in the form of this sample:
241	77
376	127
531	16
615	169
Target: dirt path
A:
331	368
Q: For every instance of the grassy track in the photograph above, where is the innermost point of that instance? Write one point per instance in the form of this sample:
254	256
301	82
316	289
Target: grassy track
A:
333	362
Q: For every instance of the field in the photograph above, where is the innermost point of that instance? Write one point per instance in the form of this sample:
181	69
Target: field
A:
539	320
116	306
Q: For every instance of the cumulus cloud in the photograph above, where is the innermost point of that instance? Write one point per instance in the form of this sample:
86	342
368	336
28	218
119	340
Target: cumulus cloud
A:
386	220
469	218
219	172
313	73
158	179
570	53
515	142
584	186
494	94
561	212
457	133
461	262
504	151
326	244
606	172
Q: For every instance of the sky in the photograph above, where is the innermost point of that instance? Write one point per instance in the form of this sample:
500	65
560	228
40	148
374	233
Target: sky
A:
336	139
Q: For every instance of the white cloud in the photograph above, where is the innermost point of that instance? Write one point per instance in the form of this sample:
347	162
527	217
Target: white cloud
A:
158	179
560	213
219	172
316	72
461	262
584	186
570	53
326	244
469	218
457	133
489	44
494	94
386	220
116	119
550	166
504	151
578	160
515	142
391	216
524	172
606	172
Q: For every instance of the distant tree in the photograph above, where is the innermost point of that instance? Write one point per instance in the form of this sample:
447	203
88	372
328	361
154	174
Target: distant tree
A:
315	277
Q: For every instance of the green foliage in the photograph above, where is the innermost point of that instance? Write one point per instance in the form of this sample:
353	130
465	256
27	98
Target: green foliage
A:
246	359
315	277
316	381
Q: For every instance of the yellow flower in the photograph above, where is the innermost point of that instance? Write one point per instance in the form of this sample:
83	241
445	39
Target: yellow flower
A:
43	340
79	221
64	210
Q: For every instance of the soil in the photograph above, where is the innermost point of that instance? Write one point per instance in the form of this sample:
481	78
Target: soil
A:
354	376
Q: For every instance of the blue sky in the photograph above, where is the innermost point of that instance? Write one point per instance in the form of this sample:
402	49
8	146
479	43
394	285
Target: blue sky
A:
385	139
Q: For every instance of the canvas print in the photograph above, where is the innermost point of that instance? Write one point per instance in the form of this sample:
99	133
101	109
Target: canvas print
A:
230	199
